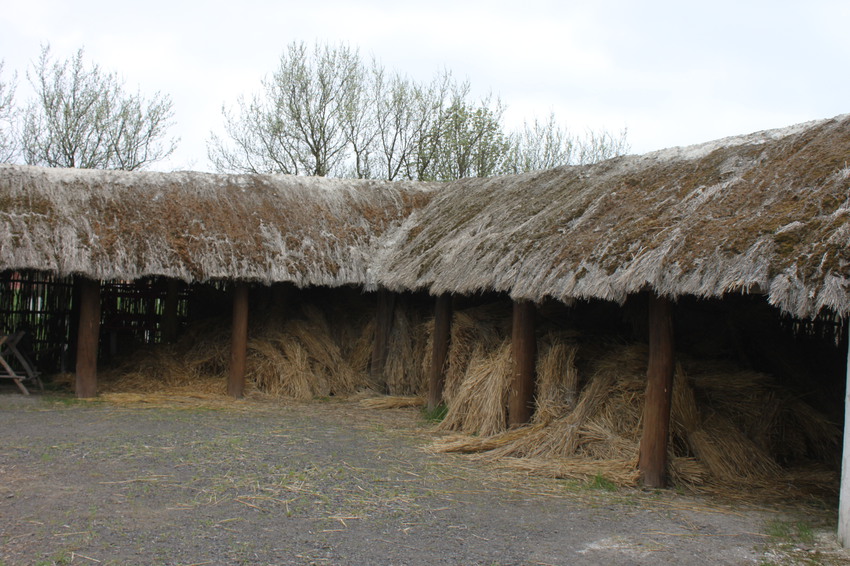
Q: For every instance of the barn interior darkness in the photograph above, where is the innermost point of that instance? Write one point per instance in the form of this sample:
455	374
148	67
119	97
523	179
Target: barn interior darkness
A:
808	356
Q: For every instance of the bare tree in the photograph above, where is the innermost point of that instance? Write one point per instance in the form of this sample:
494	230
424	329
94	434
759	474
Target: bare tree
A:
301	123
7	119
543	145
405	116
324	112
467	138
82	117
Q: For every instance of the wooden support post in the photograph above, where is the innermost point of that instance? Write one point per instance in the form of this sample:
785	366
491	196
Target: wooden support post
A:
659	390
88	337
383	326
524	353
440	350
170	321
844	492
239	341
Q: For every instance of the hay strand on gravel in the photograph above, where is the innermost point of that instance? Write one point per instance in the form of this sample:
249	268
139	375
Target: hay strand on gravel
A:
392	402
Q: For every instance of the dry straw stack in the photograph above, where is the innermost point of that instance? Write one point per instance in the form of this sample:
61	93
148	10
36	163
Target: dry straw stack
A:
295	358
729	427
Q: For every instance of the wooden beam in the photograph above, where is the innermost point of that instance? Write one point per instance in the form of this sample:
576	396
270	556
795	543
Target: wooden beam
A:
844	493
88	336
383	326
439	352
239	342
524	353
659	390
169	322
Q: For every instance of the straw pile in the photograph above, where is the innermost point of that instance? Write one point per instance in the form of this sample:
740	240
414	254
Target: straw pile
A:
404	373
294	358
728	427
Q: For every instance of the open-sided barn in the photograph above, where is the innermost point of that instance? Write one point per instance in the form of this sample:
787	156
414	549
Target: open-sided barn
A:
764	215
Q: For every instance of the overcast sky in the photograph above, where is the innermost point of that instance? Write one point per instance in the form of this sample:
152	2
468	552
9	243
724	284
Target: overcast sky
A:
673	73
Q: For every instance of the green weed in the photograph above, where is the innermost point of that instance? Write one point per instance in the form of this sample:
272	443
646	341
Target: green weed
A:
600	482
435	415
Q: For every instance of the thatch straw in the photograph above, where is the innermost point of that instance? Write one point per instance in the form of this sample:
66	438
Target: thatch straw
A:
621	472
557	379
479	402
392	402
403	371
710	449
729	454
482	328
685	221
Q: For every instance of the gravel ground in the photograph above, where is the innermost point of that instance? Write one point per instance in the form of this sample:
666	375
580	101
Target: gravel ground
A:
254	482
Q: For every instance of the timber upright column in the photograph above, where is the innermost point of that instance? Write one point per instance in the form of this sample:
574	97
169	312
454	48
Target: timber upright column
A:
383	326
88	337
659	390
169	321
524	353
844	493
440	350
239	342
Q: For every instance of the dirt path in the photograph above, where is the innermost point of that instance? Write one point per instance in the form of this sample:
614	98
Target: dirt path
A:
332	483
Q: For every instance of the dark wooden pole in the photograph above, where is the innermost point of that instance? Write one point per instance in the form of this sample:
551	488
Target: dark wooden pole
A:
383	326
169	320
524	352
659	390
439	353
88	337
239	341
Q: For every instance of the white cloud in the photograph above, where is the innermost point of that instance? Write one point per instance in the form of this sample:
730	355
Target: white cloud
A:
671	72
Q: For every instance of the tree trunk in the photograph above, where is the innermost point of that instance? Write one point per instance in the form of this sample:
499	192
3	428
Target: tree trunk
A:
659	390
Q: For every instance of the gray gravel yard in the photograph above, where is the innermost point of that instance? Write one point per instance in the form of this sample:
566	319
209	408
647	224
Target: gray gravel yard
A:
256	482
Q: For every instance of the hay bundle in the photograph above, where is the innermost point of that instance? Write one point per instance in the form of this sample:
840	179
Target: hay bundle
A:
280	366
357	349
729	444
474	330
622	471
480	400
392	402
557	378
403	370
729	454
299	359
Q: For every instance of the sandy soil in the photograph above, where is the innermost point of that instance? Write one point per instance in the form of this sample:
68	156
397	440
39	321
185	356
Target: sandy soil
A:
255	482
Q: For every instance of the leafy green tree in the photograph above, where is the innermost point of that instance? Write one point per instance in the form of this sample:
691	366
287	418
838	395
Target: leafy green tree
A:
82	117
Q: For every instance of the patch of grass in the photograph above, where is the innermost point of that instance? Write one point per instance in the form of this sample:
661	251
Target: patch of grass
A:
435	415
600	482
68	400
790	531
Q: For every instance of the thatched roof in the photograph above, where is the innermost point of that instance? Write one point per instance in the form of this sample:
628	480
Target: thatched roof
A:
767	212
196	226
